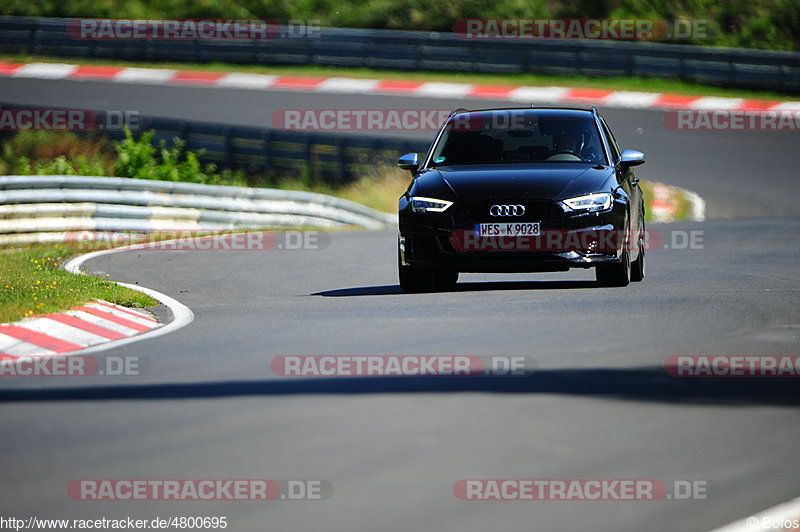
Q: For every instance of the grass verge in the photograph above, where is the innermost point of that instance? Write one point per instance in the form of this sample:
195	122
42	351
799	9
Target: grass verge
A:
33	283
626	84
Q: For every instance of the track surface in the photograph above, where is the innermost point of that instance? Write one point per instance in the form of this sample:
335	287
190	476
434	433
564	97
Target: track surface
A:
599	405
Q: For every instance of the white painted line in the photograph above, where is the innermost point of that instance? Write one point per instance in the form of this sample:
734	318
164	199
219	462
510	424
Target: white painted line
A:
246	81
145	75
763	521
443	90
786	106
632	99
181	314
348	85
19	348
538	94
61	331
44	70
101	322
711	102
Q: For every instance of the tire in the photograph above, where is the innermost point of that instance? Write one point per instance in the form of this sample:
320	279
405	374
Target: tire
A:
615	274
413	280
444	279
638	267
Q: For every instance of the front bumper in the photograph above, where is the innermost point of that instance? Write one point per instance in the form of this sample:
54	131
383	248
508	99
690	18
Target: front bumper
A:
443	241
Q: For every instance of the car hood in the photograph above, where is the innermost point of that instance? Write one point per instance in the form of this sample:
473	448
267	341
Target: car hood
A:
554	181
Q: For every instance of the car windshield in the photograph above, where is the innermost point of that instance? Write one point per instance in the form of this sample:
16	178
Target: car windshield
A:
518	136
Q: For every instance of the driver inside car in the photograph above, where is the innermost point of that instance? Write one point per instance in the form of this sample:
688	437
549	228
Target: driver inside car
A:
565	142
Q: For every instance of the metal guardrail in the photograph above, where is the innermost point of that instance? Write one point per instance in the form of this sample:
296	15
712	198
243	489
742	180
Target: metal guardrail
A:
335	159
45	208
414	51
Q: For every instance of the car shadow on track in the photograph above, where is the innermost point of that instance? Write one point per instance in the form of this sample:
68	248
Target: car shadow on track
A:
387	290
649	384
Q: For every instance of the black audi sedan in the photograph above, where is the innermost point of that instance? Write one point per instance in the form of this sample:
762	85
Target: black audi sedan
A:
521	190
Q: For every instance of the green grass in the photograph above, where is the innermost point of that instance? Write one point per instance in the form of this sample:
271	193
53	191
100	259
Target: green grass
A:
33	283
628	84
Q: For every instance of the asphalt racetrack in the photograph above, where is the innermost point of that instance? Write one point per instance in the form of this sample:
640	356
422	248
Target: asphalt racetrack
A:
598	405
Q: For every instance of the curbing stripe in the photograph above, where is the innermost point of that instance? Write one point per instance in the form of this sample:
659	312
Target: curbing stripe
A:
61	331
45	70
84	325
388	86
154	76
95	72
91	326
113	317
38	339
434	89
246	81
200	77
297	82
134	318
97	320
443	90
348	85
15	347
538	94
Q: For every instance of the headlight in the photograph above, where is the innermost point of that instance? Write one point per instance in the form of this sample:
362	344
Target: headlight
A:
420	204
590	203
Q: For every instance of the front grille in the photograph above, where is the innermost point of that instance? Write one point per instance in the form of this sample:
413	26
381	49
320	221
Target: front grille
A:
548	213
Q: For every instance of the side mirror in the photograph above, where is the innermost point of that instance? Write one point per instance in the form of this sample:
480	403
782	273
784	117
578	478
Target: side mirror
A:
631	158
409	161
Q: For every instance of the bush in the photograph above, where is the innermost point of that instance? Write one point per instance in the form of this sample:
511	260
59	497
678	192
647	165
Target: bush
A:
770	24
41	152
65	153
138	158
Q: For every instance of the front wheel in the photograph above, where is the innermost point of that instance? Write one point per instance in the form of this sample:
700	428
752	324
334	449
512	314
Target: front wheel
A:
615	274
637	268
414	280
444	279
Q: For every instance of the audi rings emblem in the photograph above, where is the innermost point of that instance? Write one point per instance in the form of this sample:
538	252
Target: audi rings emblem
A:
507	210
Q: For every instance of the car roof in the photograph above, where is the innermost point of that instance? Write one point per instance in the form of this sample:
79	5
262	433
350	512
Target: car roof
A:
547	111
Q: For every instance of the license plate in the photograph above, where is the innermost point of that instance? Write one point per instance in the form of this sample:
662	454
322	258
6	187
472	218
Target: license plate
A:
507	229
